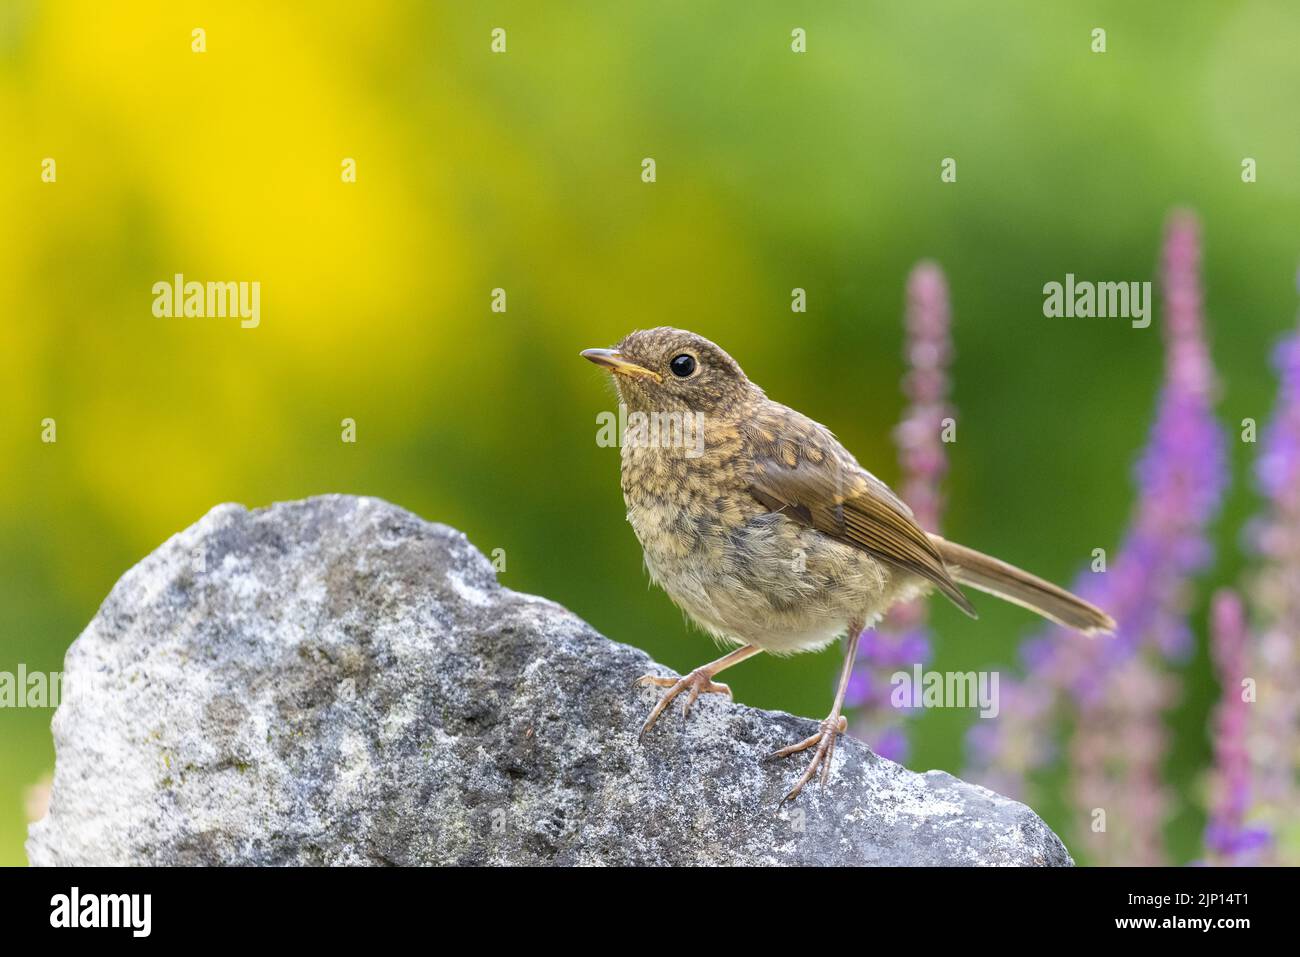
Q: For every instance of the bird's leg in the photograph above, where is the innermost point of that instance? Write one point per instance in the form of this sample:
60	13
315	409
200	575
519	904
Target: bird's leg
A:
831	728
699	680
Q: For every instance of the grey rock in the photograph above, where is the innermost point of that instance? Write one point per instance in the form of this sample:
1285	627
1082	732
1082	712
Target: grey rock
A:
336	681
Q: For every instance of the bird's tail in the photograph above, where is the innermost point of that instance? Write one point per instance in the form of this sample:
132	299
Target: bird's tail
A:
1009	583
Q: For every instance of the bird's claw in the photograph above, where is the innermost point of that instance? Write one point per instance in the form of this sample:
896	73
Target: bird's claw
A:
697	682
824	741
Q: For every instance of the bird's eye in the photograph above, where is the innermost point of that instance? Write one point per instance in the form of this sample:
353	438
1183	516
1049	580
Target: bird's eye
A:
682	365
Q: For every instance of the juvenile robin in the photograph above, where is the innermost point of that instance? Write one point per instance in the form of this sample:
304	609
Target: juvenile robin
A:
768	533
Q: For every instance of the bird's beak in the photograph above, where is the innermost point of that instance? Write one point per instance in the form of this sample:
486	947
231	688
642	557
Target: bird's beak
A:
611	360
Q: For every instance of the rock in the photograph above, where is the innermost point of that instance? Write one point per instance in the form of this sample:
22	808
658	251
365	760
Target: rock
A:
336	681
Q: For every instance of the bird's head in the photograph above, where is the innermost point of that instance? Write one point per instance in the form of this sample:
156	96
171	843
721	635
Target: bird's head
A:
667	370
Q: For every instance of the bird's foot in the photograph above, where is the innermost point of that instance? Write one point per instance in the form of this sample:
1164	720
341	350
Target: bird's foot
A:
700	681
824	741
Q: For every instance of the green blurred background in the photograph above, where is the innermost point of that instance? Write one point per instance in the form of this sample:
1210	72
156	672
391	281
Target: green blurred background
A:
522	171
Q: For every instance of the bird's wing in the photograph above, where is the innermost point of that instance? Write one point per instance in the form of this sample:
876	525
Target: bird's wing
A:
802	471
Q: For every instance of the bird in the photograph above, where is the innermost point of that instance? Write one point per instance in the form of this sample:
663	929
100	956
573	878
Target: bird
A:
767	532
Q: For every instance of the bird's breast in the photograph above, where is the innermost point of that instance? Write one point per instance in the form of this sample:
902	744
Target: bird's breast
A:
740	571
677	506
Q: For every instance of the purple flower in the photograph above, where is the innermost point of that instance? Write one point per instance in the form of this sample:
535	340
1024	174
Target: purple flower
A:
1227	837
902	639
1114	690
1272	719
